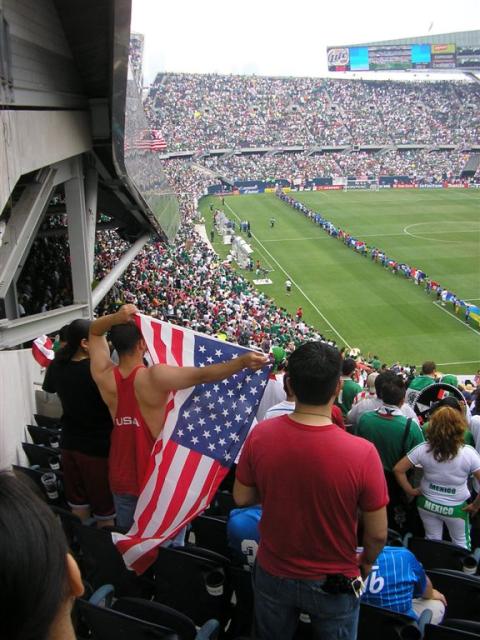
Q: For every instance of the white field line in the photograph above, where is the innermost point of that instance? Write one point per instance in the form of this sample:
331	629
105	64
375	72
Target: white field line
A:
431	232
289	277
444	364
452	315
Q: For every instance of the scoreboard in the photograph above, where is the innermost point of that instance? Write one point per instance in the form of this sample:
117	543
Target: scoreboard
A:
393	57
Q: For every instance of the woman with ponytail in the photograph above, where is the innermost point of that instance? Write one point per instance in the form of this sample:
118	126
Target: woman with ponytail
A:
86	428
447	465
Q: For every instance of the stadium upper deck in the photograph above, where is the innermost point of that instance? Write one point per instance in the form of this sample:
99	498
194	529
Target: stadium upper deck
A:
208	112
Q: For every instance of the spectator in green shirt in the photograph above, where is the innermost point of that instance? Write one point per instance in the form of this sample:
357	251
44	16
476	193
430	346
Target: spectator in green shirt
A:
350	388
393	435
388	428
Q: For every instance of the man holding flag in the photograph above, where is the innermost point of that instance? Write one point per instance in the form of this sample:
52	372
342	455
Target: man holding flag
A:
143	400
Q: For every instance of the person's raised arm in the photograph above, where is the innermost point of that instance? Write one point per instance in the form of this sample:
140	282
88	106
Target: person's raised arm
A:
400	472
99	352
375	529
167	378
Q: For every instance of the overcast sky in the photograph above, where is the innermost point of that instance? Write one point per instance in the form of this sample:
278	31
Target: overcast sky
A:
275	37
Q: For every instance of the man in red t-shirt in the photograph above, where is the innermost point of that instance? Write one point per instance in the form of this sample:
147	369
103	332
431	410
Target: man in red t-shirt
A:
312	479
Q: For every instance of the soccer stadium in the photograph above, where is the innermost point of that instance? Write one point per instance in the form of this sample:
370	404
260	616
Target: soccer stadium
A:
240	335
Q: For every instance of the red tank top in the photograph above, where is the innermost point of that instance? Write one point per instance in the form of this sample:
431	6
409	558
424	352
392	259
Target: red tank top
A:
131	442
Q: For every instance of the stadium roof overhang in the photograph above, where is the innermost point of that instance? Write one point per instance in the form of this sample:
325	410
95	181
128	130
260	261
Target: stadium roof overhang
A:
98	33
63	108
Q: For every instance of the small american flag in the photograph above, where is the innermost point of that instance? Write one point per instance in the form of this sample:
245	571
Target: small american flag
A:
42	350
204	430
151	141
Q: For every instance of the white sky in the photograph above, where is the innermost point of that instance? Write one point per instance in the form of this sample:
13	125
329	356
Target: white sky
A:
275	37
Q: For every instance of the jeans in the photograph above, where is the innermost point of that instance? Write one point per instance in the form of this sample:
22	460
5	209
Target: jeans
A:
279	601
125	506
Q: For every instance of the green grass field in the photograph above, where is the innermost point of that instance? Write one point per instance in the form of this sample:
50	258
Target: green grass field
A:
356	301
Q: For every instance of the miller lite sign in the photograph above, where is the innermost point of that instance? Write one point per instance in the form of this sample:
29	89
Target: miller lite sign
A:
338	58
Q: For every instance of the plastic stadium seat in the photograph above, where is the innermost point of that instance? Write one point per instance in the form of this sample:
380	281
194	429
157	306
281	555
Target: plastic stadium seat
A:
222	504
162	615
102	564
42	435
211	533
105	624
242	614
194	581
46	421
35	475
40	455
375	622
440	632
462	592
68	521
465	625
437	554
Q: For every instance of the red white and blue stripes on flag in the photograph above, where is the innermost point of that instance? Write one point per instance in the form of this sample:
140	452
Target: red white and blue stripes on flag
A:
42	350
205	427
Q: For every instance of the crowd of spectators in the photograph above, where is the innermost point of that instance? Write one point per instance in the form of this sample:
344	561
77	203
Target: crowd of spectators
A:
46	282
186	282
416	163
200	112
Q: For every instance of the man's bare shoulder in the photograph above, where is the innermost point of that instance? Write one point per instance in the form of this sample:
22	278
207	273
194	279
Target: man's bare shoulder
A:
105	379
147	384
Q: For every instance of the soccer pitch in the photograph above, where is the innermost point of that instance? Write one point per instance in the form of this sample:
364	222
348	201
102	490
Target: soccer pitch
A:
358	302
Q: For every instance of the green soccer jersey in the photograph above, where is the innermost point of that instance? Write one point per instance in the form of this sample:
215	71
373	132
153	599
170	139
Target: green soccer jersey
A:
347	395
420	382
385	428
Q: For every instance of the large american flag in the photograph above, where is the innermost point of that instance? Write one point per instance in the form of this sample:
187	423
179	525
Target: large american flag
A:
205	427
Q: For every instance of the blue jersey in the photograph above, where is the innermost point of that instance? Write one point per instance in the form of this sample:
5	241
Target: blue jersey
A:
243	535
396	578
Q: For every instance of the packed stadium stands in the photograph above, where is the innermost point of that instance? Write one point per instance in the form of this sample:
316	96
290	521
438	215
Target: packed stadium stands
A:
427	165
201	112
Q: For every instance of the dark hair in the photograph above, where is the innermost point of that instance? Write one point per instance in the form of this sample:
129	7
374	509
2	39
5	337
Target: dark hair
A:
428	367
314	370
348	367
445	433
125	337
33	570
383	378
63	333
285	386
448	401
393	391
75	333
